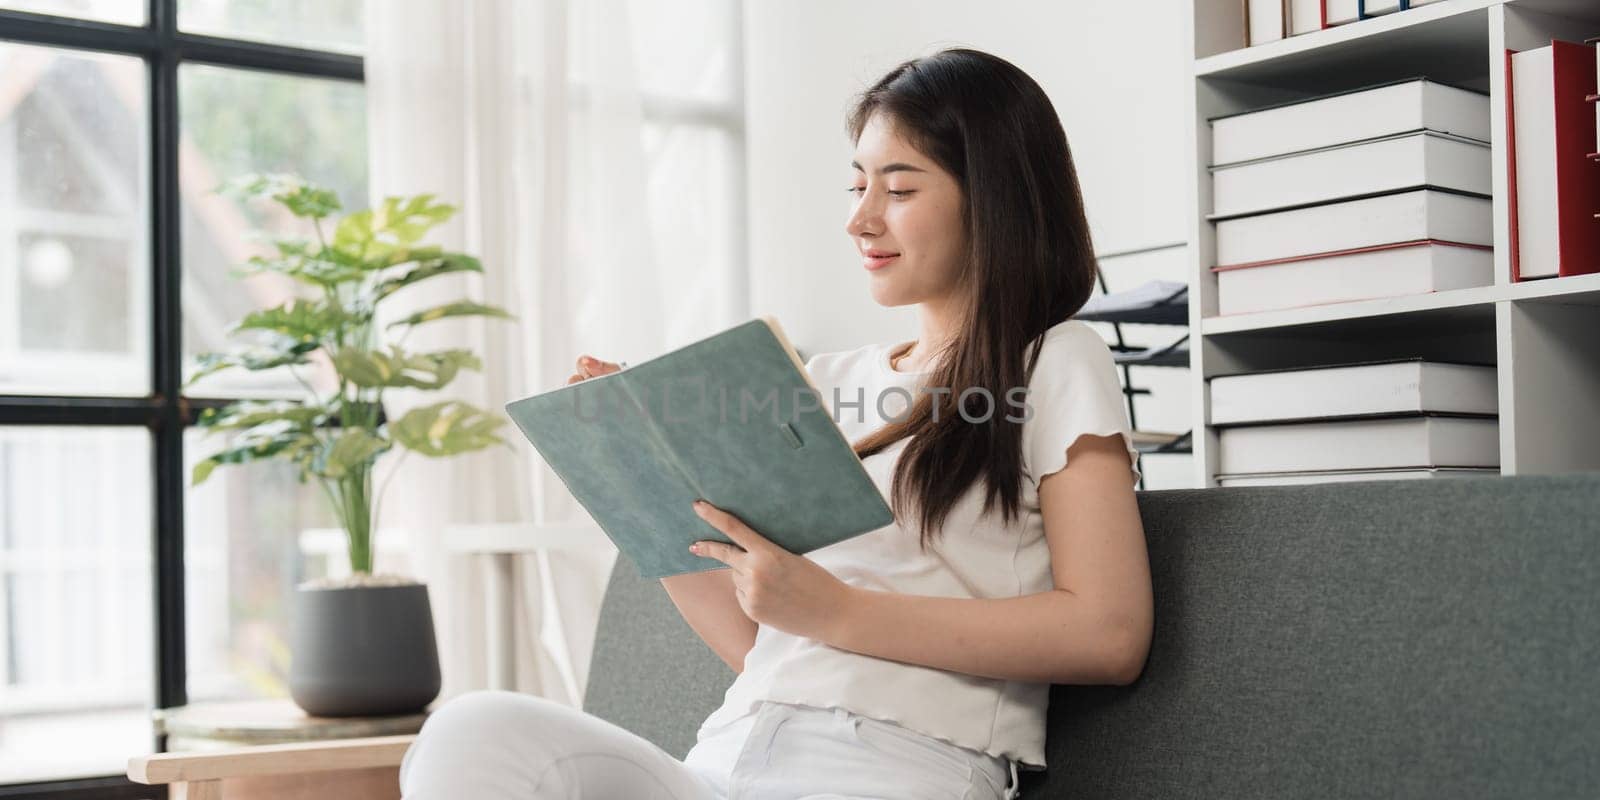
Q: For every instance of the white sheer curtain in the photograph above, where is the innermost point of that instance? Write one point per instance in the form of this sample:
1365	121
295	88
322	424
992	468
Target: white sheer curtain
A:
582	204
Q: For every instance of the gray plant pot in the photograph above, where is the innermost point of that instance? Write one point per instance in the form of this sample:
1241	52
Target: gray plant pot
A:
362	651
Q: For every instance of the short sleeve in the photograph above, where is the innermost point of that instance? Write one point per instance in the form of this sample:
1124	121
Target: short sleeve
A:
1074	391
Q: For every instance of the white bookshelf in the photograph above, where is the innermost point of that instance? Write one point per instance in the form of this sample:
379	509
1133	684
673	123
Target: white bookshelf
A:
1543	335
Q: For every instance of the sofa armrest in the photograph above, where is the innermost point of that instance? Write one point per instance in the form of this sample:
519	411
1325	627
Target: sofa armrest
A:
199	775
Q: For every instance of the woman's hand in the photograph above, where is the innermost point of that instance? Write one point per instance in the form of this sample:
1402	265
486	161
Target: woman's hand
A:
589	367
776	587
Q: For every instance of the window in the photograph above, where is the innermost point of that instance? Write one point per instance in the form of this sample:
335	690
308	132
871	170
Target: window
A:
74	223
126	12
121	588
310	126
319	24
75	654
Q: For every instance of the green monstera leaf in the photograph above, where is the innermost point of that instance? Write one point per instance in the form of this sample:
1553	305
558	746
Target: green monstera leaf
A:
430	267
291	353
300	320
293	193
256	446
324	269
394	225
460	308
447	428
249	414
347	451
371	369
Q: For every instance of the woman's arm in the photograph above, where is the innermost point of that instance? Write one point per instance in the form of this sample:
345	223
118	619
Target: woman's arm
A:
1094	627
708	603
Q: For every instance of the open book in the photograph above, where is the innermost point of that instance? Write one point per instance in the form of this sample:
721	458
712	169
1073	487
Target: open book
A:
732	419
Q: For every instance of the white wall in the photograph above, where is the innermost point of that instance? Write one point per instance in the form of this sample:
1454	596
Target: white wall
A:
1115	70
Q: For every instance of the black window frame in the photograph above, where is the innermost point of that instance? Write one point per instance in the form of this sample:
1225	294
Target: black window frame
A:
164	411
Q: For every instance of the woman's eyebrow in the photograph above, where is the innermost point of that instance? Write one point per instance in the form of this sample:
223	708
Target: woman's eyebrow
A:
898	166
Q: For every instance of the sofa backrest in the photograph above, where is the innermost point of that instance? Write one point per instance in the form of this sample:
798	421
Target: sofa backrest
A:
1436	638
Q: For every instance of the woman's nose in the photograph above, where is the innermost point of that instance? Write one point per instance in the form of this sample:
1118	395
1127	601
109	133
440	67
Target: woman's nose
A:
865	219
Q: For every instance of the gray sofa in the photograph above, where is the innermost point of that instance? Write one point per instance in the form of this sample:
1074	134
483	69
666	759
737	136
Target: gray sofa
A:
1376	639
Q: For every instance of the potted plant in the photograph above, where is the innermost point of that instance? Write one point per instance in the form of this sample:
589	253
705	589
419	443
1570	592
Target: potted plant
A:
363	645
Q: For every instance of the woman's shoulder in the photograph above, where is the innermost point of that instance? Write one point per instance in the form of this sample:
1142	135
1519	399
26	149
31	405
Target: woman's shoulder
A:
1074	328
1072	341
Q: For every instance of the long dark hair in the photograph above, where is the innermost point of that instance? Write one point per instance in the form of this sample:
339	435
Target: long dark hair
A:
1029	265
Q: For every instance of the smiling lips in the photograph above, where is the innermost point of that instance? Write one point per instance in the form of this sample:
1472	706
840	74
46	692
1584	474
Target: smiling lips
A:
877	259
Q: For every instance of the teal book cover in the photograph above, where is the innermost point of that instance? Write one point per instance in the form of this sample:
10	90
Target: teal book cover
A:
732	418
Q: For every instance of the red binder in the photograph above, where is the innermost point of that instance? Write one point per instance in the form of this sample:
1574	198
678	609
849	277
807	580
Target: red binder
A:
1577	175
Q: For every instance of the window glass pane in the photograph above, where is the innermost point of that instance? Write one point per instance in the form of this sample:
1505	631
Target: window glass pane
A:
311	127
124	12
314	24
75	601
252	533
74	223
684	49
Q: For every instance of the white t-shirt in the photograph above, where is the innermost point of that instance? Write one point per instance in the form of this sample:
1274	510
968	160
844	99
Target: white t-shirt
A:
1074	390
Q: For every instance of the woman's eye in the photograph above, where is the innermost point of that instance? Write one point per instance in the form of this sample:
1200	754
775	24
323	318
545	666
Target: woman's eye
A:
896	193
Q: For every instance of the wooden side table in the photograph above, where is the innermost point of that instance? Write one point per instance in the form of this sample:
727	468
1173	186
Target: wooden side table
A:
201	727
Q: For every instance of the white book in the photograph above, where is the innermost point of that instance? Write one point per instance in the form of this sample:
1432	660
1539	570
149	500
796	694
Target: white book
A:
1376	8
1534	123
1341	12
1390	272
1421	441
1347	390
1406	161
1346	117
1343	476
1265	21
1346	225
1305	16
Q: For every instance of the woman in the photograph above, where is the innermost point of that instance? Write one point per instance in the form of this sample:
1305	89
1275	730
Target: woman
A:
912	661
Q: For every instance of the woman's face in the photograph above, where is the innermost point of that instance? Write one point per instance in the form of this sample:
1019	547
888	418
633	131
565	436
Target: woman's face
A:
907	210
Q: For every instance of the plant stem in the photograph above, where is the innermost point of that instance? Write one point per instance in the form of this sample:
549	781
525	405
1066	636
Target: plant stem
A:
302	381
358	522
377	503
316	222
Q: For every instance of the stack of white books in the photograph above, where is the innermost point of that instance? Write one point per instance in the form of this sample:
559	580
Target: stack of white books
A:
1377	192
1378	420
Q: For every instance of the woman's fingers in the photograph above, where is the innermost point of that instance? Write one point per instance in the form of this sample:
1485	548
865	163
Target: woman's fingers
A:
589	367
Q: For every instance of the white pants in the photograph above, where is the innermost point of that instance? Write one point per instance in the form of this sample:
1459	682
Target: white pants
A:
505	745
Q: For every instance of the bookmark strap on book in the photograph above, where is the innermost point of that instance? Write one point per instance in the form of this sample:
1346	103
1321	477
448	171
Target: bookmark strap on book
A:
788	433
